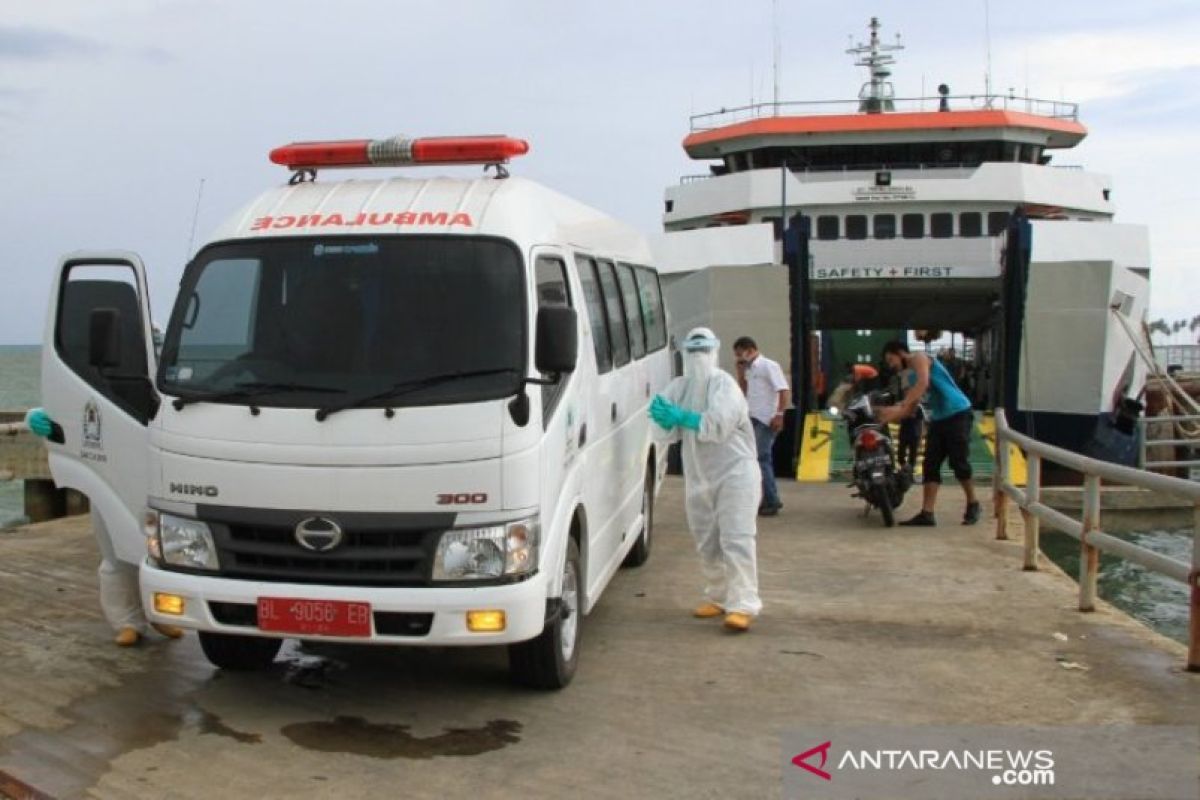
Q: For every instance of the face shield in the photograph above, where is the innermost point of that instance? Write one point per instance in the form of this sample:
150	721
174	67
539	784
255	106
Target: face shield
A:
700	348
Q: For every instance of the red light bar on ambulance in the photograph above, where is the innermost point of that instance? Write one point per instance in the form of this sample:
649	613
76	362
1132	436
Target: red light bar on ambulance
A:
400	151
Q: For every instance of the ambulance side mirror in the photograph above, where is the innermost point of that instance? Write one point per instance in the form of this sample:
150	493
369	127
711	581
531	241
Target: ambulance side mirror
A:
104	338
557	342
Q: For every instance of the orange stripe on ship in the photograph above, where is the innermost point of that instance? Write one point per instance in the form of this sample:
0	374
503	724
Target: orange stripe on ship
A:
891	121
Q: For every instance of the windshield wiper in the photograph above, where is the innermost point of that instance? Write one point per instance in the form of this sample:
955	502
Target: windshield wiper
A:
244	390
406	387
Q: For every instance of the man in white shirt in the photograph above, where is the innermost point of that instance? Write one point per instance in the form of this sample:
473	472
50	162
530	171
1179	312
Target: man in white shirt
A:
768	396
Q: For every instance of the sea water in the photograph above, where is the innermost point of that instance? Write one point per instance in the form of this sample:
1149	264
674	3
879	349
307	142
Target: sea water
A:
20	378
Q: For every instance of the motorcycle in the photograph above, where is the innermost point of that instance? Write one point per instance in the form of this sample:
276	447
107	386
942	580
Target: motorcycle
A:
874	473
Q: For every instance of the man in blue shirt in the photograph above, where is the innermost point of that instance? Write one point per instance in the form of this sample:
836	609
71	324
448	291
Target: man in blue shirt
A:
950	422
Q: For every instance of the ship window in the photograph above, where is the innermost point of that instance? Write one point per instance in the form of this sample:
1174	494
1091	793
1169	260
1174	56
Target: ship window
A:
776	226
912	226
856	226
885	226
941	225
997	222
970	224
828	227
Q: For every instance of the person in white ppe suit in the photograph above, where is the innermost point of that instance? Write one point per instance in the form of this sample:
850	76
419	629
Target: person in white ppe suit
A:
706	412
119	597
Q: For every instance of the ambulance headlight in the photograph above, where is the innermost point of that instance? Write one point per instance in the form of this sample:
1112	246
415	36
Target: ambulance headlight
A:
186	543
494	551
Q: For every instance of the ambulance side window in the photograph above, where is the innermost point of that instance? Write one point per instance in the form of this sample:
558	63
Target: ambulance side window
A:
595	312
652	308
629	296
617	331
552	290
111	291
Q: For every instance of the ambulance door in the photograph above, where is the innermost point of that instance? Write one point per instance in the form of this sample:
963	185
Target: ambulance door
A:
635	424
625	411
639	384
97	361
562	402
601	427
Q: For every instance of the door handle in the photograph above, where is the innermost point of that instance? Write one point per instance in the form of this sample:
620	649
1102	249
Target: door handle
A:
647	388
613	412
583	434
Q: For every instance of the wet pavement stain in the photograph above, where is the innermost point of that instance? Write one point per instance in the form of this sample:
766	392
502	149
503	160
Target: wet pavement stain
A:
211	723
356	736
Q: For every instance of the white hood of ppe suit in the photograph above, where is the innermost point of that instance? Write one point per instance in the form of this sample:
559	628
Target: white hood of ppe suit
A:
724	445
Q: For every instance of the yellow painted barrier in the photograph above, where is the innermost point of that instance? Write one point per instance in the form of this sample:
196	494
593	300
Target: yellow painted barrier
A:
816	448
1017	469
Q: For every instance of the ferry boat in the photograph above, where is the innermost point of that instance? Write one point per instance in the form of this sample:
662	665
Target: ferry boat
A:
946	213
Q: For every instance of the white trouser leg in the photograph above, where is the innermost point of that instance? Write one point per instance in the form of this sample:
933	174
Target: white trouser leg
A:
737	504
119	596
702	520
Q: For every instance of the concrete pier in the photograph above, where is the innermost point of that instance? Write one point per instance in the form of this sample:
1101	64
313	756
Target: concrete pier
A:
861	624
23	458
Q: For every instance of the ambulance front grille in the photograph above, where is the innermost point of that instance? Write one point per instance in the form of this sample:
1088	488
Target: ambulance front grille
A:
363	558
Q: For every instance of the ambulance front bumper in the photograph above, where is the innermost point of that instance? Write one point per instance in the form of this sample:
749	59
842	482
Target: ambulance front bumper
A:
423	616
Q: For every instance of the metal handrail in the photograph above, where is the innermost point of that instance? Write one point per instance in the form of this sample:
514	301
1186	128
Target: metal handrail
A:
1146	442
1047	108
1092	538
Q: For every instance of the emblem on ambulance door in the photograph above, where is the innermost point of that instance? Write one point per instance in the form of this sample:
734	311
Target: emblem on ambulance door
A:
93	438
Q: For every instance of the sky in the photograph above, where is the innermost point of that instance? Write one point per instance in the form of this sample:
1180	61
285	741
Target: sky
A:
141	124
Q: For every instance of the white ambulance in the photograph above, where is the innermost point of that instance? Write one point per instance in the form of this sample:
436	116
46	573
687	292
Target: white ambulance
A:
403	411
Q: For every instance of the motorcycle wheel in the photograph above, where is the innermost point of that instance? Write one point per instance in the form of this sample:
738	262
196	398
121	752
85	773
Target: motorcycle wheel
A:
884	501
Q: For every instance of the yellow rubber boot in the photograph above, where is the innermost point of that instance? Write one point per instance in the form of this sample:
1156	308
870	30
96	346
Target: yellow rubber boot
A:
127	637
737	621
169	631
708	611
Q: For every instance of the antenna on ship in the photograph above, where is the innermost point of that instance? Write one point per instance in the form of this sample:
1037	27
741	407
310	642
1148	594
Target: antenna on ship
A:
987	74
877	95
778	47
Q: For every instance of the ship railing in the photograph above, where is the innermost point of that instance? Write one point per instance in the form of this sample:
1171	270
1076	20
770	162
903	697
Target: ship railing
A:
855	171
1092	538
1055	109
1150	429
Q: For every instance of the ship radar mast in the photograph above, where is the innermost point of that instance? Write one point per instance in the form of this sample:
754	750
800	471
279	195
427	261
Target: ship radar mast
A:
877	94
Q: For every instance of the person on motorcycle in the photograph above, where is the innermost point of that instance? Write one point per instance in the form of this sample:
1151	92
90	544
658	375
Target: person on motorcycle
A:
949	434
706	412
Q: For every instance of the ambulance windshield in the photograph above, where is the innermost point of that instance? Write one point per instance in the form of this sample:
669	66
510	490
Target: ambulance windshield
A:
299	323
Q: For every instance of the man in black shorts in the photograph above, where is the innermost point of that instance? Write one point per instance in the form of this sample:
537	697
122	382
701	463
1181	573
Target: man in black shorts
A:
949	433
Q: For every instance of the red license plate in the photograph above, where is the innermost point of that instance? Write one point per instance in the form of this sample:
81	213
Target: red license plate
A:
314	617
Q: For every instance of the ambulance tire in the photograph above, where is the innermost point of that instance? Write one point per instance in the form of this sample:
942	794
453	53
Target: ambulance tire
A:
549	661
640	552
239	653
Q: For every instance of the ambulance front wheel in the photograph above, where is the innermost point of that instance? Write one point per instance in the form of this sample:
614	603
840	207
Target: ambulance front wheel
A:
239	653
549	661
